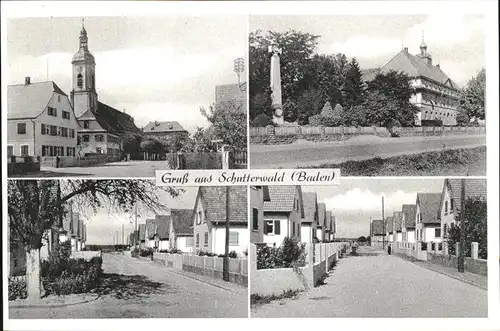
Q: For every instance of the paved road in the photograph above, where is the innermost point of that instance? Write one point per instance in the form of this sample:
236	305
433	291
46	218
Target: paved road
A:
113	169
137	288
306	153
375	284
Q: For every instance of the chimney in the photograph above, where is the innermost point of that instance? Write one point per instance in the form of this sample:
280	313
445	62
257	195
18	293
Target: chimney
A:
438	66
405	49
27	80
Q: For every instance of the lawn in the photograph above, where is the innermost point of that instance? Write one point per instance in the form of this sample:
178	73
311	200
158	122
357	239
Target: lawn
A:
450	162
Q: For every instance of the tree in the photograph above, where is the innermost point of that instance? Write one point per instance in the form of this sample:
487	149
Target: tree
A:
476	227
229	122
309	104
131	143
261	104
153	145
362	239
462	118
201	141
472	97
35	206
353	87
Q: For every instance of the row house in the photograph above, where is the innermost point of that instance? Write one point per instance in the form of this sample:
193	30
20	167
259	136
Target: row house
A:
309	223
258	195
427	225
389	222
397	226
141	236
409	219
162	237
283	210
377	232
328	225
209	219
181	230
321	226
150	233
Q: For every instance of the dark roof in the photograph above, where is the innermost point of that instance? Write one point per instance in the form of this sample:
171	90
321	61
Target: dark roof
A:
30	100
310	201
473	188
398	220
429	206
389	224
369	74
142	232
182	221
214	202
409	212
114	121
328	223
321	214
377	227
281	199
163	226
162	127
150	228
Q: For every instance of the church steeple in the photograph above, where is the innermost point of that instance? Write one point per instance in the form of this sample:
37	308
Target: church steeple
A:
83	37
423	46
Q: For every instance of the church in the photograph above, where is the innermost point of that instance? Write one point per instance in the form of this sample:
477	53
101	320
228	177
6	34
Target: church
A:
435	94
101	126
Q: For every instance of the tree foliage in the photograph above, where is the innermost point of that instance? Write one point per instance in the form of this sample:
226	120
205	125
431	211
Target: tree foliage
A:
153	145
353	87
472	97
131	143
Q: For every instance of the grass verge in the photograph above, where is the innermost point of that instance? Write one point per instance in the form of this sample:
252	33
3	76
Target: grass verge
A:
457	162
257	299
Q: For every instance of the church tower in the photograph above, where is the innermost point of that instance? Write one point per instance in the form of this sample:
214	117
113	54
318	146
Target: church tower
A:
83	93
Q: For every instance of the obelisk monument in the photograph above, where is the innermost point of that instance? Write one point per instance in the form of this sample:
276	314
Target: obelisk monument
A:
276	85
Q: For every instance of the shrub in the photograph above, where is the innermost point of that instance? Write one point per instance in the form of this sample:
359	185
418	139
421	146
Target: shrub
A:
17	289
261	120
146	252
320	120
203	253
135	252
173	250
291	254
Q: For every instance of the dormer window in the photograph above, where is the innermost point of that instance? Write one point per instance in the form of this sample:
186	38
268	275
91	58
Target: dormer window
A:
79	80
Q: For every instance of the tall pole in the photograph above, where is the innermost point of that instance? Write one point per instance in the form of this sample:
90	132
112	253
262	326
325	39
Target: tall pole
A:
136	234
123	236
383	222
225	269
461	253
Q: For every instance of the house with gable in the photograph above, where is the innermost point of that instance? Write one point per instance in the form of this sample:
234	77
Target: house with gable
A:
209	219
40	121
435	94
162	238
142	236
181	230
377	232
310	221
408	225
321	227
397	218
258	194
328	225
428	226
150	233
170	131
282	214
389	222
451	199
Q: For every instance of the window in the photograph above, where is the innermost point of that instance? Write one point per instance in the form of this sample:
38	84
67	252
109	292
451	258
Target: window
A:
72	133
451	205
98	150
99	137
10	150
24	150
52	111
58	98
53	130
255	218
64	132
85	138
69	151
437	232
446	207
233	238
205	243
79	80
66	114
21	128
272	227
85	124
43	130
197	240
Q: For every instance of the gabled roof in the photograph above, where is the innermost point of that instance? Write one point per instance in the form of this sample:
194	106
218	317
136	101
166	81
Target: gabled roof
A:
214	203
321	214
328	222
182	221
281	199
369	74
409	212
310	201
473	188
163	127
142	232
150	228
334	224
377	228
163	226
428	204
415	66
389	224
398	220
30	100
113	120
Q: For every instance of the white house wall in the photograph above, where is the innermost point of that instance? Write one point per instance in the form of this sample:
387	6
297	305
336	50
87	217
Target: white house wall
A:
306	234
182	244
163	244
429	235
446	217
276	239
219	237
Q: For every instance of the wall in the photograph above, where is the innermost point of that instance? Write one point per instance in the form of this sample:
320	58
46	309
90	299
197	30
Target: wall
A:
16	140
447	217
87	255
257	203
429	233
276	239
19	166
182	244
48	161
163	244
410	236
286	135
478	266
219	237
306	233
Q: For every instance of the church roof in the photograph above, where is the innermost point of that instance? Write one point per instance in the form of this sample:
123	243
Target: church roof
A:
114	121
30	100
163	127
413	66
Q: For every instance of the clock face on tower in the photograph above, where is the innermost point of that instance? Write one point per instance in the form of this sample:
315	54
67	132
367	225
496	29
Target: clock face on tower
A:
79	69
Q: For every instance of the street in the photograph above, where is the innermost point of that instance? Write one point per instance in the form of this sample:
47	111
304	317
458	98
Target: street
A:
305	153
375	284
113	169
139	288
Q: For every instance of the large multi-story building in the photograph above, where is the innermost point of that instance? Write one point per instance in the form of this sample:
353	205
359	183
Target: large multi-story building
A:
435	94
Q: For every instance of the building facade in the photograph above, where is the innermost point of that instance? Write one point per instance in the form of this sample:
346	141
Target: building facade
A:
427	225
309	223
181	230
258	194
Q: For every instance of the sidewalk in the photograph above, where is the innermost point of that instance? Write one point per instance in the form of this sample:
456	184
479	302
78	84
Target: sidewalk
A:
53	301
466	277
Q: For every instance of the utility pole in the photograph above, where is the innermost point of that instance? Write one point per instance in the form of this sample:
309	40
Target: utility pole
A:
123	236
383	222
225	268
461	253
136	234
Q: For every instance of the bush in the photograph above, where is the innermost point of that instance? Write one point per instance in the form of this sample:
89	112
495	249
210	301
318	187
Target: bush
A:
135	252
146	252
173	250
17	289
261	120
291	254
320	120
203	253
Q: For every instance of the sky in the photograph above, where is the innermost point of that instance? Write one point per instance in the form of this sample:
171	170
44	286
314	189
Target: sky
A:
356	200
455	42
154	68
105	227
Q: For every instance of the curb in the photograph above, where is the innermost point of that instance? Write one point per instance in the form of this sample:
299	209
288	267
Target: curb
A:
457	278
41	305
